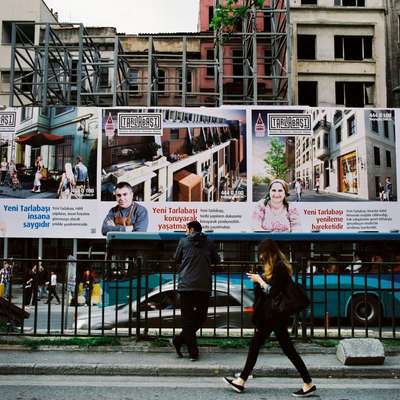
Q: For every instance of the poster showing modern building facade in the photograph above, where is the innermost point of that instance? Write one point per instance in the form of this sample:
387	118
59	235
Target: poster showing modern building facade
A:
349	155
320	169
196	155
49	153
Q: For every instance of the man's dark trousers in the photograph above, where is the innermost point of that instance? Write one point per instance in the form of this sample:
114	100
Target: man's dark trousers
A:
194	307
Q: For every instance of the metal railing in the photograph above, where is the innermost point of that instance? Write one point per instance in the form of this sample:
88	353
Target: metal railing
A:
140	298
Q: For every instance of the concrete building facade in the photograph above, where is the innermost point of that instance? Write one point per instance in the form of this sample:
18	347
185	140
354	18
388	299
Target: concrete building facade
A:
29	12
339	52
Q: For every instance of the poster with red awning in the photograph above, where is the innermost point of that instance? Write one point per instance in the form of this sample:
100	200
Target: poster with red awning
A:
38	139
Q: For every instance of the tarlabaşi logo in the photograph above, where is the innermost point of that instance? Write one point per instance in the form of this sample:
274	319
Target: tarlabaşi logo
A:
135	123
289	124
7	121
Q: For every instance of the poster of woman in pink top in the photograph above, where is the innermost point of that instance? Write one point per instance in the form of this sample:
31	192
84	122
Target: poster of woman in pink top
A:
274	213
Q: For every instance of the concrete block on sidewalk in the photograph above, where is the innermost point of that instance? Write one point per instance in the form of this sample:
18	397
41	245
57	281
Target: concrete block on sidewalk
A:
360	352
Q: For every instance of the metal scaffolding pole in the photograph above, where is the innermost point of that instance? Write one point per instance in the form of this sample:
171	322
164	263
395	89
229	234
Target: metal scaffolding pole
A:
149	71
46	65
184	71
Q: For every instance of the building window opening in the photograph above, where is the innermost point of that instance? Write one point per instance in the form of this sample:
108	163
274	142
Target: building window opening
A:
155	184
306	47
351	126
268	59
210	63
133	80
210	16
237	65
161	81
26	113
350	3
308	93
104	82
27	82
189	88
353	47
338	134
374	126
74	71
174	134
267	22
386	128
354	94
377	156
138	191
388	159
326	140
25	32
64	153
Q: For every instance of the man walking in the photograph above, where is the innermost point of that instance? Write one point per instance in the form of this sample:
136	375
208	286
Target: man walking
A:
195	254
299	189
81	176
53	288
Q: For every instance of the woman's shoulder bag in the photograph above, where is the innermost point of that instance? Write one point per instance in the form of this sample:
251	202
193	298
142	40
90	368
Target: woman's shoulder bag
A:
293	299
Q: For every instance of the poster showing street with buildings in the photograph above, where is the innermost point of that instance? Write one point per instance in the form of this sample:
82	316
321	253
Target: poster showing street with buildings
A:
277	169
323	169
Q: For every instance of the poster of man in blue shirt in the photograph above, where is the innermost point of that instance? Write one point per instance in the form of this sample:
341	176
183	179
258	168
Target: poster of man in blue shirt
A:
127	215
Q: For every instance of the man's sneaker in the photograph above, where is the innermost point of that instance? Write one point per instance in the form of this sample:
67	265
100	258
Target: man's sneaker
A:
234	386
302	393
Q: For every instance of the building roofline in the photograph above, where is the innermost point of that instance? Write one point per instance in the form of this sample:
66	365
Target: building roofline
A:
53	13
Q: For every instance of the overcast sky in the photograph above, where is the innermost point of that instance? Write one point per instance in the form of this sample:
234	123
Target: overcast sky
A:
131	16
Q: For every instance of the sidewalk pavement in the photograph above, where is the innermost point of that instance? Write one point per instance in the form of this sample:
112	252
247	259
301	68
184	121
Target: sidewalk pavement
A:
143	360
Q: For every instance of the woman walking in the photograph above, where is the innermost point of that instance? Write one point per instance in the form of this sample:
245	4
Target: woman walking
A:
38	175
67	183
276	276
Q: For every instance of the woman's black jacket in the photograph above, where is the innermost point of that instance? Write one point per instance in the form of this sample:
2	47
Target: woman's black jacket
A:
262	301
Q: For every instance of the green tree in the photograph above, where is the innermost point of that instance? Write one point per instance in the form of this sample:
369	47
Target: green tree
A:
228	16
276	160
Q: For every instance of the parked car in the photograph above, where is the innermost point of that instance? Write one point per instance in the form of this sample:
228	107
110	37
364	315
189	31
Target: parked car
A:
231	308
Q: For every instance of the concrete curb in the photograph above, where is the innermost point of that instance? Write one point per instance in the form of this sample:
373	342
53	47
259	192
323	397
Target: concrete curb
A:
199	370
302	348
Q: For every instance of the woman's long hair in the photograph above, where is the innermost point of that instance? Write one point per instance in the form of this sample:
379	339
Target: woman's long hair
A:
269	255
69	173
285	188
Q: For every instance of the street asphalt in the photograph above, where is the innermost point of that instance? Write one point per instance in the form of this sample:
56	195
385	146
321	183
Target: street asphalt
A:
144	360
81	387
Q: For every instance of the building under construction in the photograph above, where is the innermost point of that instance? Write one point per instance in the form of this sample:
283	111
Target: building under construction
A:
68	64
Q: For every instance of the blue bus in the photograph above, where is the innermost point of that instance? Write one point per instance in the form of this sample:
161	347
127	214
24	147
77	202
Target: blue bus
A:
364	292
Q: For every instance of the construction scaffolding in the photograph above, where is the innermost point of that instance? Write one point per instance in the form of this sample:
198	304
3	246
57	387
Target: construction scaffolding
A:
69	64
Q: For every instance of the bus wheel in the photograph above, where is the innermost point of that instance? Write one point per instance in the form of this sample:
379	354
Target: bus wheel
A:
365	310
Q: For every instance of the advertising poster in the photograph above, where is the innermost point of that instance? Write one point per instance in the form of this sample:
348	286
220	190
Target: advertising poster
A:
49	172
81	172
324	170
